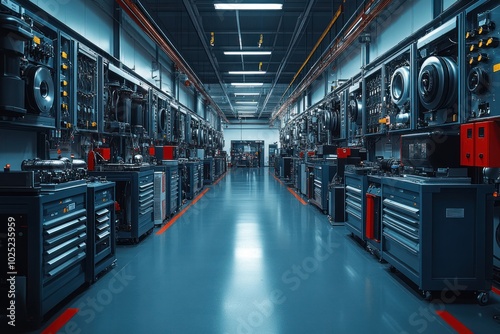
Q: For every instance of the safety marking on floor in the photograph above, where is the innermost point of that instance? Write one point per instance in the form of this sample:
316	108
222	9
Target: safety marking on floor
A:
183	211
59	323
454	322
296	196
290	190
277	179
495	290
220	178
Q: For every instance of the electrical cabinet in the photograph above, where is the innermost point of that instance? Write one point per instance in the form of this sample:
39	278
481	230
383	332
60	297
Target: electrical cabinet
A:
193	179
208	170
220	166
101	243
438	230
479	144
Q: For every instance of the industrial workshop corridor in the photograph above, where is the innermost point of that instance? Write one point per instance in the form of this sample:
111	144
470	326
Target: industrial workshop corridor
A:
248	257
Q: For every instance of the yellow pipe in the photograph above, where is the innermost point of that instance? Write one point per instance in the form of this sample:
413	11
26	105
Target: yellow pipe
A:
334	19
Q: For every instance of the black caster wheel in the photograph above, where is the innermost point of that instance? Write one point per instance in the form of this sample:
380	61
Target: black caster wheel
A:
483	298
427	295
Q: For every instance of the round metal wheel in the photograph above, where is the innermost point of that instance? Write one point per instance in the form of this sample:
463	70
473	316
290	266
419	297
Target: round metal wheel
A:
483	298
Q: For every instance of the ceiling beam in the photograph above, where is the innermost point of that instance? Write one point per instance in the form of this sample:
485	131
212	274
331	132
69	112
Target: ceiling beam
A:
301	21
194	16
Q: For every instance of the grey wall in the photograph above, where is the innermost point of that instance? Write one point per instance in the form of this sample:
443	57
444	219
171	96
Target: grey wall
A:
20	146
91	19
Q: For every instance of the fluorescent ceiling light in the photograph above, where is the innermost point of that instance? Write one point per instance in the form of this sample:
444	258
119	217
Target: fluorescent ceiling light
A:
246	94
246	72
247	102
247	53
248	6
247	84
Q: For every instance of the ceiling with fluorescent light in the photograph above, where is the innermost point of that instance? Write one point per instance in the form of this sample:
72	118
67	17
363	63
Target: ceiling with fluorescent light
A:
202	35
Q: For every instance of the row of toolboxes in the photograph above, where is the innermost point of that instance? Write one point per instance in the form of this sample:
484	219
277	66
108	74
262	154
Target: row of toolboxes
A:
64	238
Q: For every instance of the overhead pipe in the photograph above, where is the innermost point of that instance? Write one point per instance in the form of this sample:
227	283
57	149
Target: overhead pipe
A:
370	12
318	43
147	27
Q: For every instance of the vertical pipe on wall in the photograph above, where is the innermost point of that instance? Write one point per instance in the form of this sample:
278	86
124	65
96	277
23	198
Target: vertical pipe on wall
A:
437	8
117	23
175	82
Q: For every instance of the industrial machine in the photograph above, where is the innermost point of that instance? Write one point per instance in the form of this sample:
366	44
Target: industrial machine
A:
208	170
101	228
285	168
482	39
172	184
135	200
323	173
303	178
436	230
295	172
220	166
194	182
48	225
356	185
438	78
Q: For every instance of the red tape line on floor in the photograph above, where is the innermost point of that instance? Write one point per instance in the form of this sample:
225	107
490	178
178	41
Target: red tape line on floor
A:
277	179
454	322
220	178
290	190
297	196
59	323
183	211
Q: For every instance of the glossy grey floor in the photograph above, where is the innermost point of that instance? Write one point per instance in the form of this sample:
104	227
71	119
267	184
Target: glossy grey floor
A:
249	258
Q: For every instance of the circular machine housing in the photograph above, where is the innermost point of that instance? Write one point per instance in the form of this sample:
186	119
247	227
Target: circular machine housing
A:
39	89
124	106
354	109
14	33
438	83
477	81
400	86
162	120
